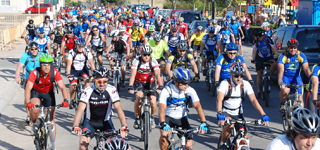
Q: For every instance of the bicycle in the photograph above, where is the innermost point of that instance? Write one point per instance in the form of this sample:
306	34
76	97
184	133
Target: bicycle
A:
117	71
199	63
101	137
290	104
58	58
266	82
95	56
77	95
210	74
184	134
237	140
44	134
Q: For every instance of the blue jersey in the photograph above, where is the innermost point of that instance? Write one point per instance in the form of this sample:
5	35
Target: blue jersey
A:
210	43
147	23
264	47
235	27
29	63
102	28
42	42
76	30
315	72
226	34
225	67
292	64
268	33
85	26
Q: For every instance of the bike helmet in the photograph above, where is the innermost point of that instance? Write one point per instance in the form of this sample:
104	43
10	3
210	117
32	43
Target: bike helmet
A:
237	68
41	30
121	17
265	24
292	43
69	21
157	36
215	21
84	17
101	19
31	21
136	23
181	75
67	6
74	20
129	16
100	72
59	24
151	28
258	32
146	49
70	30
147	15
233	18
174	28
232	46
304	121
226	24
122	28
175	15
93	24
115	33
141	24
199	28
33	44
182	45
80	42
181	19
211	29
228	17
45	58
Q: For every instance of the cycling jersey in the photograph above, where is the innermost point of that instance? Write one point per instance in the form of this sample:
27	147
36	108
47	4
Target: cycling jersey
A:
211	43
135	33
102	28
79	59
46	27
183	28
128	24
174	21
226	34
173	40
197	38
235	27
29	63
157	50
96	40
269	32
58	35
77	29
85	26
264	47
166	26
217	30
315	72
147	23
126	37
99	103
176	106
42	42
292	64
225	62
69	42
232	105
180	62
44	85
284	143
119	46
31	31
148	36
144	73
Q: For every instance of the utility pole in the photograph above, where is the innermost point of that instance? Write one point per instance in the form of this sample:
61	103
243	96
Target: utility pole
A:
172	6
213	10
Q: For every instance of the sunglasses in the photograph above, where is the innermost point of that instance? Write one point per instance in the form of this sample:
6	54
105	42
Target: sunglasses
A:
45	65
34	49
146	54
94	30
238	75
184	83
182	50
211	32
100	81
69	33
232	53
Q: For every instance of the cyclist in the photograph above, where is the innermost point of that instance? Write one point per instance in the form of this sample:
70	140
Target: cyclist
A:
144	70
136	32
119	22
209	43
236	29
128	23
147	22
59	32
59	20
85	24
29	61
172	39
173	102
289	65
77	67
149	34
230	107
303	134
267	29
96	40
181	60
174	20
126	36
159	47
263	51
183	27
165	26
32	29
311	99
216	26
43	41
121	50
197	38
207	26
224	62
226	35
68	24
47	26
77	28
39	89
67	44
97	100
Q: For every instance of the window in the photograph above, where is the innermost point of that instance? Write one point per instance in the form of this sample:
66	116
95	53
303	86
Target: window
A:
30	2
203	24
286	38
5	2
309	41
189	17
277	37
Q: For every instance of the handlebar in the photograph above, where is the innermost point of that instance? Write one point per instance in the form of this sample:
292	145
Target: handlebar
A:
145	91
88	133
184	131
258	122
269	62
294	86
49	107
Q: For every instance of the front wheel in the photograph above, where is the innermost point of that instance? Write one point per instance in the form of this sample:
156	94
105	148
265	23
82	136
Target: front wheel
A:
146	129
285	122
49	140
96	62
266	91
213	86
116	81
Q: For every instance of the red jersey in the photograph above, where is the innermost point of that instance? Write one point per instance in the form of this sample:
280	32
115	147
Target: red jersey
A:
44	85
128	24
69	42
144	73
183	28
67	10
150	12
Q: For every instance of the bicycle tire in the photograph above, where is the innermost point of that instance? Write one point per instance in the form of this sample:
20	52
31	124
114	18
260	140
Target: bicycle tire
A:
76	98
146	128
213	86
218	144
116	84
49	140
265	91
199	65
96	62
285	123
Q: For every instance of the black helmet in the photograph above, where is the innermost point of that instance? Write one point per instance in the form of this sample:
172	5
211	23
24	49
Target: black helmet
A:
292	42
182	45
305	121
31	21
146	49
33	44
70	30
100	72
258	32
157	36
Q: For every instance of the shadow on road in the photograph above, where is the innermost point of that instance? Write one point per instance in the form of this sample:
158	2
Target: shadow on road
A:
9	146
14	124
7	74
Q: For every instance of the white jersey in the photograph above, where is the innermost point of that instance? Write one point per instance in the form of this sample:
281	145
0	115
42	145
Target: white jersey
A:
176	106
217	30
234	103
282	142
79	61
47	28
173	39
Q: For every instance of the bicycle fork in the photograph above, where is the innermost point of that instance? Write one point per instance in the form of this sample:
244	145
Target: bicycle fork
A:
266	77
145	108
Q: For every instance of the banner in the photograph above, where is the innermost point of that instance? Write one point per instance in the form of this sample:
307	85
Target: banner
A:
267	2
251	9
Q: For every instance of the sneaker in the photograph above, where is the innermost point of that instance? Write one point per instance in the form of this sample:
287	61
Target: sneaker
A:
71	106
223	147
152	122
259	95
27	121
282	108
122	84
136	124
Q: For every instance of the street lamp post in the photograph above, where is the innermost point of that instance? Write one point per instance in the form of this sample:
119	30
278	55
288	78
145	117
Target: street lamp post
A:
212	10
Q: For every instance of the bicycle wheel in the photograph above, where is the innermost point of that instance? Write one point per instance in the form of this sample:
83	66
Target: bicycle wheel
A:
116	81
219	141
76	98
208	83
49	139
96	62
59	63
285	123
198	65
146	129
265	91
213	87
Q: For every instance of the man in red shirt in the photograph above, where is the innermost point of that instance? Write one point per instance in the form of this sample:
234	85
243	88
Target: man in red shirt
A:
67	9
68	43
128	23
39	89
183	27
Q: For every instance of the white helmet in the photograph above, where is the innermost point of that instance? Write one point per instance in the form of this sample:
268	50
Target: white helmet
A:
141	24
115	33
265	24
119	10
94	24
59	24
122	28
74	20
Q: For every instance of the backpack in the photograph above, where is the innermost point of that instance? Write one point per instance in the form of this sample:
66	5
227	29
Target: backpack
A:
225	58
179	38
150	64
187	103
28	60
286	57
184	60
228	95
91	33
75	52
52	79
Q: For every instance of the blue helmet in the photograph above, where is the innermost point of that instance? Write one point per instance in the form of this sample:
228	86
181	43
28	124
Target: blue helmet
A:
181	75
80	42
226	24
211	29
228	17
147	15
232	46
41	30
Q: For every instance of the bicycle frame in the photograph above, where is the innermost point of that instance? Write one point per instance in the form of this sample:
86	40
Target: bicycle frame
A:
117	71
101	137
183	133
95	57
145	107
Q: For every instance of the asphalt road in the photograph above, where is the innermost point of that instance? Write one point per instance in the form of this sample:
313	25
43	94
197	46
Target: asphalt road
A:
15	135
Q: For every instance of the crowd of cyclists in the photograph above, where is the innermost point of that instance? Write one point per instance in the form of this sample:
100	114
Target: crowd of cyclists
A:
79	33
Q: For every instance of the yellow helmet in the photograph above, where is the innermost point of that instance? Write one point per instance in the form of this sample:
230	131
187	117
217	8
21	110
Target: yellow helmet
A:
180	19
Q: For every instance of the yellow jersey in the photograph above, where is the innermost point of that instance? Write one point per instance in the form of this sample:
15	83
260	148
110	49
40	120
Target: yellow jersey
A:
136	34
197	38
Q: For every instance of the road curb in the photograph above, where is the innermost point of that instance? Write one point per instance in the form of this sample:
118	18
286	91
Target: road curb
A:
8	95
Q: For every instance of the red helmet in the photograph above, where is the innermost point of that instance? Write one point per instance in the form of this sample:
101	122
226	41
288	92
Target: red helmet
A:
292	43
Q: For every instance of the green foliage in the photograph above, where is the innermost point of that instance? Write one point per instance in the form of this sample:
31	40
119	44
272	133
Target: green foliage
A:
185	4
71	4
114	2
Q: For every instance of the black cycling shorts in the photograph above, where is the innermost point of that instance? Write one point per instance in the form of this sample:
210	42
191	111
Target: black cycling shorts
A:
93	47
237	125
93	125
183	123
196	48
139	86
160	60
259	62
47	99
237	37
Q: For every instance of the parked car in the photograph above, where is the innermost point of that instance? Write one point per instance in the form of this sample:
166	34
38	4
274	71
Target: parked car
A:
308	37
172	12
194	24
35	8
142	6
188	16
